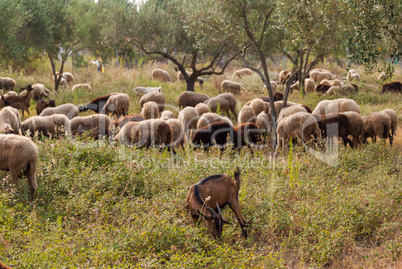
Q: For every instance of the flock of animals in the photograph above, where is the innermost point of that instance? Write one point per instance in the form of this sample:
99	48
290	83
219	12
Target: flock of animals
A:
200	124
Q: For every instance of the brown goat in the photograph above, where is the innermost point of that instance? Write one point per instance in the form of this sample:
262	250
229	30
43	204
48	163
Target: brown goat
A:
208	196
20	102
41	105
247	134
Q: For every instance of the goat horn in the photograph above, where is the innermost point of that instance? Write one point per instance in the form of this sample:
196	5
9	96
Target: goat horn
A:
219	209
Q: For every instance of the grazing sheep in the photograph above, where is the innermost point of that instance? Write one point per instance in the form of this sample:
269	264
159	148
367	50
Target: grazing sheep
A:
117	104
189	118
394	122
167	115
290	110
247	134
145	90
20	102
69	78
247	114
7	83
147	133
39	91
180	77
202	108
274	86
376	124
348	88
335	90
357	126
309	85
217	134
209	118
161	75
258	105
96	124
156	97
322	88
70	110
96	104
55	125
320	74
188	98
225	101
295	86
19	155
283	76
231	86
178	133
206	198
352	75
83	86
326	82
301	125
41	105
393	86
336	106
10	120
243	72
118	123
335	125
150	110
279	107
264	122
277	97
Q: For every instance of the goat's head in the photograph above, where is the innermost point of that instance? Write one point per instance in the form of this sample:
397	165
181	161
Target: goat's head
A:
214	221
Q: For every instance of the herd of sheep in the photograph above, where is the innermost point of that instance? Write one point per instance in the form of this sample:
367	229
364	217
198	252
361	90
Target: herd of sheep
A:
200	124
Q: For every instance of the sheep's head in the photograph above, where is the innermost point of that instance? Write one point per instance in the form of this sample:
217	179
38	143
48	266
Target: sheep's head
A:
214	221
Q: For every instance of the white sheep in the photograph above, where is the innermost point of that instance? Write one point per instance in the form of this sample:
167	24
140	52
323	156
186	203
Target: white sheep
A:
117	104
336	106
70	110
67	77
231	86
156	97
161	75
167	115
352	75
150	110
39	91
247	114
145	90
274	86
96	124
19	155
320	74
189	118
208	118
54	125
225	101
202	108
10	120
290	110
83	86
243	72
283	76
309	85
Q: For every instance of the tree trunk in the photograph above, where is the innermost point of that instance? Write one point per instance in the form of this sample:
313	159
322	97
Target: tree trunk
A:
190	85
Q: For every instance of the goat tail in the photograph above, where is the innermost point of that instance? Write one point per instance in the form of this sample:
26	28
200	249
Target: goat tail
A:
237	177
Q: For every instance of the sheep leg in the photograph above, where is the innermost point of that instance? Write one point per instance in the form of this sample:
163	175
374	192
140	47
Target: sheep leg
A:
234	205
33	185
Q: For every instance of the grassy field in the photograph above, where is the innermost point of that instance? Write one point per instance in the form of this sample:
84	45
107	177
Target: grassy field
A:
99	206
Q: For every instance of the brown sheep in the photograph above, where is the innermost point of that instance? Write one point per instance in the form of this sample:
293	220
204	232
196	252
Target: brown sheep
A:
202	109
247	134
335	125
117	104
19	155
394	122
206	198
393	86
7	83
277	97
247	114
219	134
376	124
225	101
96	124
160	74
55	125
70	110
150	110
231	86
156	97
243	72
188	98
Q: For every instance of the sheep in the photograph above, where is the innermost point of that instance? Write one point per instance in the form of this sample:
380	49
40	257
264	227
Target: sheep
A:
68	77
279	106
118	123
247	134
301	125
166	115
231	86
274	86
188	98
394	122
290	110
96	104
335	106
10	120
320	74
147	133
150	110
295	86
335	124
348	88
277	97
334	90
309	85
217	134
20	102
258	105
161	75
283	76
326	82
243	72
202	108
393	86
19	155
83	86
41	105
118	104
247	114
357	124
156	97
7	83
180	77
225	101
54	125
376	124
264	122
209	118
189	118
70	110
322	88
178	133
10	93
39	91
145	90
96	124
206	198
352	75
